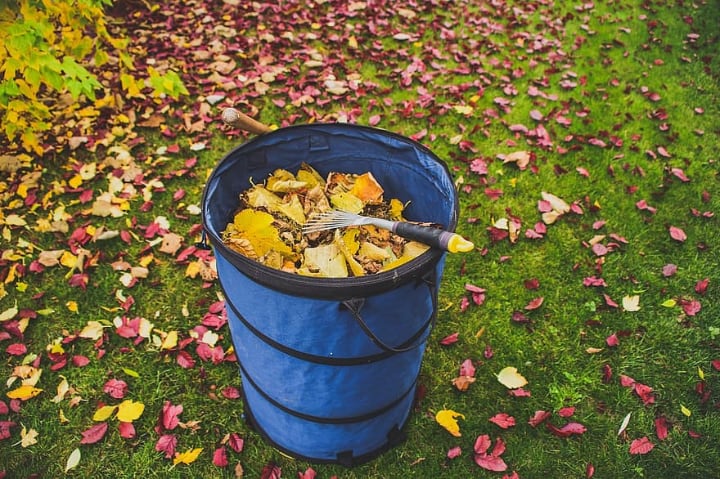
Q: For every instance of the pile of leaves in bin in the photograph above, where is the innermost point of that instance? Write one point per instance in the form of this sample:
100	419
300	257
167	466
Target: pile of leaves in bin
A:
268	225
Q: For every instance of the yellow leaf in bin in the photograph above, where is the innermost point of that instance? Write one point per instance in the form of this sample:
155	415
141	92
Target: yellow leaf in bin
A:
187	457
259	197
447	418
347	202
282	181
347	243
256	227
367	188
326	261
373	252
396	209
129	410
511	378
411	250
308	175
24	393
104	413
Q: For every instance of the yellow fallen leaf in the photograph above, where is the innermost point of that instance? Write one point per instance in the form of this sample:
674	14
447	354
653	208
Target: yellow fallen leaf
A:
187	457
701	374
129	410
104	413
28	437
170	341
73	460
68	259
685	411
447	418
631	303
24	392
511	378
62	390
72	306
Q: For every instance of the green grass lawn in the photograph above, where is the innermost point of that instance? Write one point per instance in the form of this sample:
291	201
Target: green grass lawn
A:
616	107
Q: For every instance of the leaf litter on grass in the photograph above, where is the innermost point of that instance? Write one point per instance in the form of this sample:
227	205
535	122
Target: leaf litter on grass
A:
504	89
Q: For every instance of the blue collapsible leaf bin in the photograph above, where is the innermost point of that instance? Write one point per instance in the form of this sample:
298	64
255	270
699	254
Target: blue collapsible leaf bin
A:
329	366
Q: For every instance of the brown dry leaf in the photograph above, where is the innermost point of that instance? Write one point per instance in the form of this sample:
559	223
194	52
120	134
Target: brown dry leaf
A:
171	243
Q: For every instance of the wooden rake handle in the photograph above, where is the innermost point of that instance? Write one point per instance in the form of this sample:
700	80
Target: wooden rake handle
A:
233	117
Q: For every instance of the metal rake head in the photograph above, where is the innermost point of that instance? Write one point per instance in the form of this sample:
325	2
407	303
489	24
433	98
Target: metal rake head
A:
332	219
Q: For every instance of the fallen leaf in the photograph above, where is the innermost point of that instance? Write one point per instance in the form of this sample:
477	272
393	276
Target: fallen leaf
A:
503	420
631	303
624	424
73	460
677	234
94	433
511	378
24	393
641	446
28	437
447	418
129	410
187	457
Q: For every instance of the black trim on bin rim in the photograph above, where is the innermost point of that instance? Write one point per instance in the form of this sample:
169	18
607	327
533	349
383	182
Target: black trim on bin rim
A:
329	288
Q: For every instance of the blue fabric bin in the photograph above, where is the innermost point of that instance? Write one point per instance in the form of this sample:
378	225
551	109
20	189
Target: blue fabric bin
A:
329	366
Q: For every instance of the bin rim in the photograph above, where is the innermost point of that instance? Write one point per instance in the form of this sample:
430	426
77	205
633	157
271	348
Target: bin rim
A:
329	288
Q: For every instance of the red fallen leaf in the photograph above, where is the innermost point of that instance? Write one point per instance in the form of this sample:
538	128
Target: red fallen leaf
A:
589	470
479	166
644	392
497	234
169	415
538	418
230	392
716	364
464	304
569	429
220	457
677	234
94	433
4	409
167	444
115	388
80	361
626	381
691	307
594	281
184	360
454	452
236	442
308	474
641	446
513	475
680	174
661	427
271	471
478	294
467	368
503	420
5	427
663	152
518	317
16	349
450	339
694	434
669	270
488	352
566	411
701	286
612	340
519	393
482	444
126	429
535	303
609	301
531	284
490	463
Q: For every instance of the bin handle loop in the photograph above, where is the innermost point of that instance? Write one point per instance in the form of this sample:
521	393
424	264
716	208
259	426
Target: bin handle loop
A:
355	304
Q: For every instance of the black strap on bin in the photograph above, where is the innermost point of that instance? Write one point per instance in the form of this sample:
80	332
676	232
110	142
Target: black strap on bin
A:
354	305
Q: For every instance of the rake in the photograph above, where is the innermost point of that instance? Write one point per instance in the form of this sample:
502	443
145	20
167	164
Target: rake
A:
435	237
